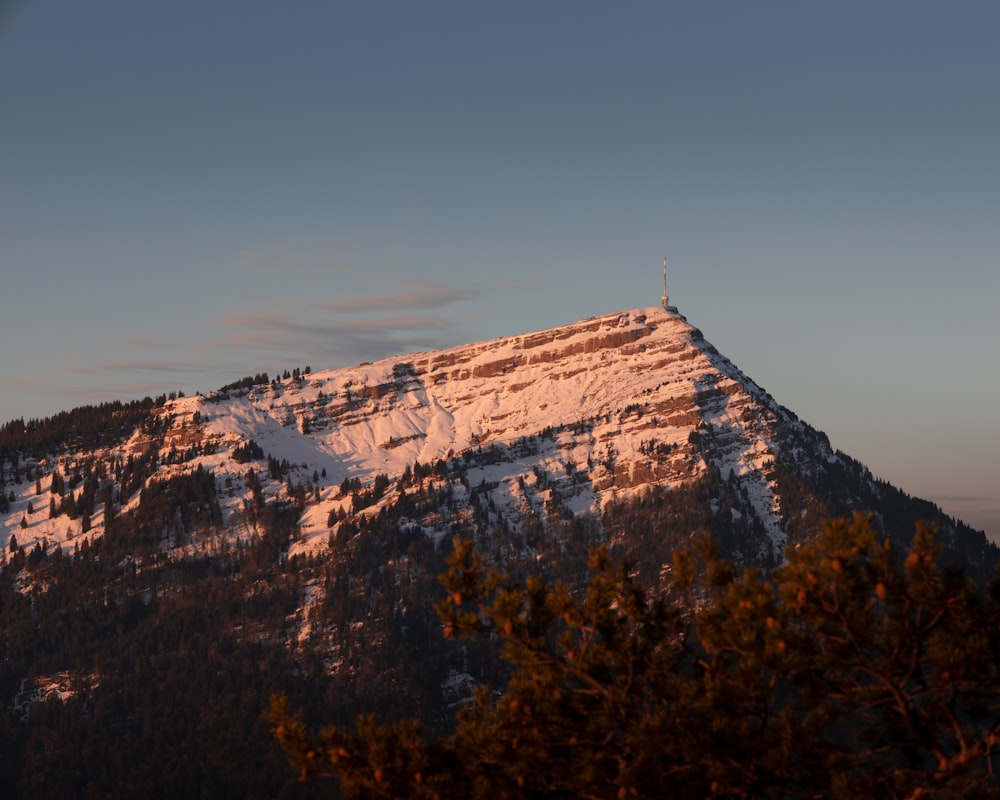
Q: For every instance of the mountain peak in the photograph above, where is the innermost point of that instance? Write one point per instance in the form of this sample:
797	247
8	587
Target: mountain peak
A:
555	424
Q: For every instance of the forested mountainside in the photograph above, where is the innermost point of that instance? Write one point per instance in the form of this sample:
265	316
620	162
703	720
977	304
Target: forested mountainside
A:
168	564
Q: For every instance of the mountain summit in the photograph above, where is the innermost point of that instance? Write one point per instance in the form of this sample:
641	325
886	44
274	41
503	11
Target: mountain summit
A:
544	427
168	564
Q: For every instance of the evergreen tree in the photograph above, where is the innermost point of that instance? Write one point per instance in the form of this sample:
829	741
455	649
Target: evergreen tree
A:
848	673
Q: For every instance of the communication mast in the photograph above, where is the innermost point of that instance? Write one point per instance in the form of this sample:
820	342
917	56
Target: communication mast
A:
665	300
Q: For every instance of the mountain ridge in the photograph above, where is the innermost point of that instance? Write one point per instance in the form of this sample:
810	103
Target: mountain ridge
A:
643	388
167	565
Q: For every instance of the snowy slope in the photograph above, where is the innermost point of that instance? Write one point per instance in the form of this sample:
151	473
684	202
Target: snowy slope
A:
615	401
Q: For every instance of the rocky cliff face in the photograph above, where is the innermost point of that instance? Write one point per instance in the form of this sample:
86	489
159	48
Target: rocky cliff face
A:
550	425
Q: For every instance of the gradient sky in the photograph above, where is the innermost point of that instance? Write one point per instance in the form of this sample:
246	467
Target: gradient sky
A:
191	192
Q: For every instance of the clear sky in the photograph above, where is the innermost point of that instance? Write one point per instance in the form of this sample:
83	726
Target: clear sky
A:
191	192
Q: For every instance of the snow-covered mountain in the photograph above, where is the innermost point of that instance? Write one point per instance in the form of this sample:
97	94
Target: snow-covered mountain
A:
286	536
560	423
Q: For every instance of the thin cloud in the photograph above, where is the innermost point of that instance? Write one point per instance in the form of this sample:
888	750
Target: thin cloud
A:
342	339
391	323
324	334
422	295
287	324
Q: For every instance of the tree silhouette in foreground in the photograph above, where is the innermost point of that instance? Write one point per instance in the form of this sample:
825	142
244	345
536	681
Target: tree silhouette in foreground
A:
849	672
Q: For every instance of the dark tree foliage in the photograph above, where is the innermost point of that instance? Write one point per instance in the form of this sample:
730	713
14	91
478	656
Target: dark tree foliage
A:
84	428
250	451
845	485
363	499
168	656
277	469
260	379
850	672
136	471
167	662
256	490
167	508
647	530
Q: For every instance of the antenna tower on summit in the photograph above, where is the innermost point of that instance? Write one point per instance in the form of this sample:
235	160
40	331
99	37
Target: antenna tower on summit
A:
665	300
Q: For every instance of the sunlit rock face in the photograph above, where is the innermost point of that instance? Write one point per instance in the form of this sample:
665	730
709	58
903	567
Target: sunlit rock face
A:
608	407
543	428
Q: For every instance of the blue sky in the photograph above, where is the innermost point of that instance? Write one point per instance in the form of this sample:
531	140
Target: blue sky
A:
194	192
